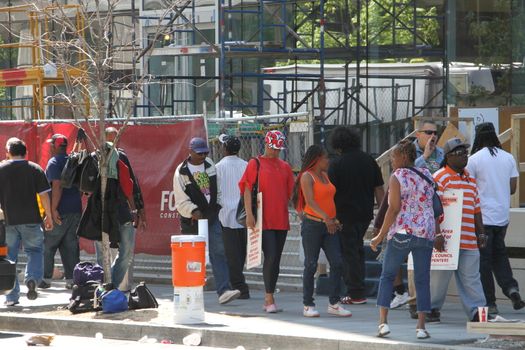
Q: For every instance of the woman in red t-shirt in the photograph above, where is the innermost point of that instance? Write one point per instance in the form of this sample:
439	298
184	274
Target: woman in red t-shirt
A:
276	185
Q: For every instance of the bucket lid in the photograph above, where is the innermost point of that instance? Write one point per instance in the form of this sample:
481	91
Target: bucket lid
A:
187	238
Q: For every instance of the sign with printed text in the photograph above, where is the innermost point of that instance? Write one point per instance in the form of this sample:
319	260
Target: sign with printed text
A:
254	242
450	228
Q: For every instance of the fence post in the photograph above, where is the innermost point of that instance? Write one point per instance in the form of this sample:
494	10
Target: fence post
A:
311	123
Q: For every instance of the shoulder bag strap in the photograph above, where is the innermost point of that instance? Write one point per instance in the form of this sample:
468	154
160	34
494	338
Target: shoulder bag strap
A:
430	181
257	176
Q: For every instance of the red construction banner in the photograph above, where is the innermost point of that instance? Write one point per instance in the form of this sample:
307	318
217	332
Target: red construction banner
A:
154	151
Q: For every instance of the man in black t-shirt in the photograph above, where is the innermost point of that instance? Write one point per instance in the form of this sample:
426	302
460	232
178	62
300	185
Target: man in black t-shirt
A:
20	183
357	179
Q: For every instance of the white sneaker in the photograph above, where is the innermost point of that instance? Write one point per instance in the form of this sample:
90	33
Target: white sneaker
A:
228	296
383	330
338	310
310	311
399	300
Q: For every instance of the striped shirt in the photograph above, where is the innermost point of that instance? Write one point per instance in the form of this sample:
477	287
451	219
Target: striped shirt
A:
229	172
446	178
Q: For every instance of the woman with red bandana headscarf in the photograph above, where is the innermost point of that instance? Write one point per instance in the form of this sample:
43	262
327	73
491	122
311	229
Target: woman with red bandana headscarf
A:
276	185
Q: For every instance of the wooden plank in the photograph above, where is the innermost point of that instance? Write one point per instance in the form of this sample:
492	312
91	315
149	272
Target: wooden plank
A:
505	136
515	125
497	328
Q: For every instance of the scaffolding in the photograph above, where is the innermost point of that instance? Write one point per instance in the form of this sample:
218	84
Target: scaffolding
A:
255	38
38	74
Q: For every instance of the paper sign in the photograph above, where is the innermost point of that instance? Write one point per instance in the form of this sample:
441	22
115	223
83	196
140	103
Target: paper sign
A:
451	229
254	242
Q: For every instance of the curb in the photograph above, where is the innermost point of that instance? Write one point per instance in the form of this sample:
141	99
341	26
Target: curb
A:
212	335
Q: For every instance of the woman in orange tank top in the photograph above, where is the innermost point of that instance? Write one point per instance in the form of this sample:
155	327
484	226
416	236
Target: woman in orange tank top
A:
314	199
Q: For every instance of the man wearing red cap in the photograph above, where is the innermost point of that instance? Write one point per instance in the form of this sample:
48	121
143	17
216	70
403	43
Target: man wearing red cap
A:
66	207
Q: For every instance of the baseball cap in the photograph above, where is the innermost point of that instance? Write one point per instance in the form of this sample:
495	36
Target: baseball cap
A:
199	145
454	143
58	140
232	143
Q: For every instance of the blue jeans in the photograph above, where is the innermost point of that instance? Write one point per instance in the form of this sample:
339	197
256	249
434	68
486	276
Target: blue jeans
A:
126	248
495	260
32	238
398	248
64	238
219	264
468	282
315	236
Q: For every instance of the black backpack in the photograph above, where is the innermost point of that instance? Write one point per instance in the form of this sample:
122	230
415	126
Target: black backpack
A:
70	175
89	174
83	298
141	297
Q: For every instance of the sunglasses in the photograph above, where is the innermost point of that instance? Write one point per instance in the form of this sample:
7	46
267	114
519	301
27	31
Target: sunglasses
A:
459	152
430	132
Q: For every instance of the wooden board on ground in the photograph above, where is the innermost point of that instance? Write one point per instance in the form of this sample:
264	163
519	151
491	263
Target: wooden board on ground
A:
497	328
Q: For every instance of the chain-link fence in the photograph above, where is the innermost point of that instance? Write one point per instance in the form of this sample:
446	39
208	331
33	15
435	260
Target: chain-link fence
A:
297	127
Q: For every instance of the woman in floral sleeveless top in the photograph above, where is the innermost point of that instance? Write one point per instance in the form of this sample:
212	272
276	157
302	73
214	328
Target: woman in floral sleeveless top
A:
410	227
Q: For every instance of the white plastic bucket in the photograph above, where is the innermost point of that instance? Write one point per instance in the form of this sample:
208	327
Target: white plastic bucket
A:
188	305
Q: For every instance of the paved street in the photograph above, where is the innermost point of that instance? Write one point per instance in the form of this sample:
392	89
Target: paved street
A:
242	323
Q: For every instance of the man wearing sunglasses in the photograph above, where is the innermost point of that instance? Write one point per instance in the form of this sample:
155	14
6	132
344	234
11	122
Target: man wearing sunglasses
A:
455	176
196	197
428	154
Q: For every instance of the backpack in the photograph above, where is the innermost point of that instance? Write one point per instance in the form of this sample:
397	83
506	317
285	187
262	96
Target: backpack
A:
87	271
70	175
111	299
83	297
141	297
89	174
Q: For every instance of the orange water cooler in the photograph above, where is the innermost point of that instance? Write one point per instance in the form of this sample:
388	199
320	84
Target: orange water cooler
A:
188	266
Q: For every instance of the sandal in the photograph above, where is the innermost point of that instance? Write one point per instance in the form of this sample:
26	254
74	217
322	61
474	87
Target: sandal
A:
271	309
422	334
383	330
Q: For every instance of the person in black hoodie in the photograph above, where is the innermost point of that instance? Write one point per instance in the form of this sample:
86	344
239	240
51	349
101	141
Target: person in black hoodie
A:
196	196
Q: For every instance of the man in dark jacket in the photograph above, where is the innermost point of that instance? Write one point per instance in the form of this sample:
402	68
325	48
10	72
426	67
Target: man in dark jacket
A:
196	196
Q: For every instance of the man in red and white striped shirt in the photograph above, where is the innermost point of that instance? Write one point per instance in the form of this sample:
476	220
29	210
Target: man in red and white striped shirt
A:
454	176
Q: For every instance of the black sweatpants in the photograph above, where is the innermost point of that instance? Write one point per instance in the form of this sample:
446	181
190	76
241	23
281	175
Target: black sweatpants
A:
235	249
272	245
352	246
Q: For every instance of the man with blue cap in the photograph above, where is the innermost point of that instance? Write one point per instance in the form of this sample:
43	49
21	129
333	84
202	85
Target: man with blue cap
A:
196	197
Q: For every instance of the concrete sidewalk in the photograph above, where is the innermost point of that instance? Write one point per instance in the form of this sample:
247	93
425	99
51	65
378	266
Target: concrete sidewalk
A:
242	322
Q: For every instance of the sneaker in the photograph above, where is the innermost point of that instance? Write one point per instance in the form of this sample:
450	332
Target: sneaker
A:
270	309
517	303
383	330
309	311
338	310
11	303
228	296
412	310
493	310
422	334
44	285
433	316
31	290
399	300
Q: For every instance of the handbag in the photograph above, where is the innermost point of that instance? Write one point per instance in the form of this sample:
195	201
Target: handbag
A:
240	215
436	201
